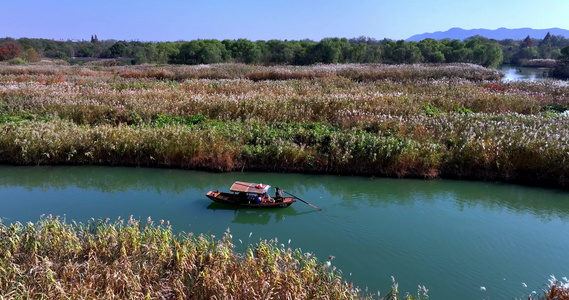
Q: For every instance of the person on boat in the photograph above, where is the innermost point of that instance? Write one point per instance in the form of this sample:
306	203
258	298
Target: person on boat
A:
242	197
266	198
279	194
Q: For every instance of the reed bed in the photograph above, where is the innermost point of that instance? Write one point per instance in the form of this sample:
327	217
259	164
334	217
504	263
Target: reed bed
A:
52	259
492	147
454	121
360	72
129	259
556	289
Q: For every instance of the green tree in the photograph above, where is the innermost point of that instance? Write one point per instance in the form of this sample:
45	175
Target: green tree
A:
151	51
167	52
559	41
510	48
244	51
485	52
562	68
203	52
60	50
431	50
455	51
546	40
361	50
279	53
356	53
28	43
118	49
304	50
188	53
331	50
546	48
210	54
85	50
527	42
140	53
527	53
402	52
373	54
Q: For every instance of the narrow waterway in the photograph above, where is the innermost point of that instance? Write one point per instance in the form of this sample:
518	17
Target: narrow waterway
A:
451	236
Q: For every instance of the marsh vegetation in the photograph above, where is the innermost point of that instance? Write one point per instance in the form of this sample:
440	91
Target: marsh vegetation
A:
129	259
427	121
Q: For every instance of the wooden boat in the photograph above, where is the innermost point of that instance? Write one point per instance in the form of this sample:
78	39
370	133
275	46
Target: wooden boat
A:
250	195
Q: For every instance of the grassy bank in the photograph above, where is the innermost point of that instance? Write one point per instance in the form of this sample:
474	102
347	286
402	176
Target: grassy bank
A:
129	259
126	259
52	259
360	72
451	121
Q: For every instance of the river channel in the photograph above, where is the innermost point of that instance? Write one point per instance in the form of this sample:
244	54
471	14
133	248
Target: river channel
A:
454	237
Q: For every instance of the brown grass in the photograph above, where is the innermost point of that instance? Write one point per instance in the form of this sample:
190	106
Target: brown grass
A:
128	260
405	121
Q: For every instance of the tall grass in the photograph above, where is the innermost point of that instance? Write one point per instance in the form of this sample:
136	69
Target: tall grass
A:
51	259
415	120
555	290
493	147
425	121
368	72
126	259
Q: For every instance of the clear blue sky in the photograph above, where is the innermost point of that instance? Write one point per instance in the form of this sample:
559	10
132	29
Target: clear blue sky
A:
169	20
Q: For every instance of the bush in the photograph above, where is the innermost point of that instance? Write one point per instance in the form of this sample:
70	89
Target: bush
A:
17	61
562	68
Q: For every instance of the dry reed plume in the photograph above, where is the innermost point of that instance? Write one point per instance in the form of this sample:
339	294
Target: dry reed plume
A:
114	260
414	120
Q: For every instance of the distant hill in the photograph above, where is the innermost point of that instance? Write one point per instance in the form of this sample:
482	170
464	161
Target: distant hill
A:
497	34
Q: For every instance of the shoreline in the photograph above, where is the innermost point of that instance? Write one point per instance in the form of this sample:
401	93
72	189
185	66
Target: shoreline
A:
526	181
455	121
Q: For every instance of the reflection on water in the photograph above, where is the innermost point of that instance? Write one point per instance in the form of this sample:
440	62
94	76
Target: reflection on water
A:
247	215
120	180
513	73
452	236
103	179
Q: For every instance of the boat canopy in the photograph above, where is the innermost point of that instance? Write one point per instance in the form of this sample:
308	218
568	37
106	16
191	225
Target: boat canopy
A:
253	188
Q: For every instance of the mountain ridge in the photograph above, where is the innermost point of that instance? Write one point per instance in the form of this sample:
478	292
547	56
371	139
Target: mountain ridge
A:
497	34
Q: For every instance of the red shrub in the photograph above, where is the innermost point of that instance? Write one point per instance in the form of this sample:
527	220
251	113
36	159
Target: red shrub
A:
495	87
10	50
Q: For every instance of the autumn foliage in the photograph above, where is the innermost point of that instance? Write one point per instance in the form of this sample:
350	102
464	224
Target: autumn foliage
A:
10	50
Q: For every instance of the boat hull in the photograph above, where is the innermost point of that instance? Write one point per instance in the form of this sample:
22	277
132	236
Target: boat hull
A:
233	199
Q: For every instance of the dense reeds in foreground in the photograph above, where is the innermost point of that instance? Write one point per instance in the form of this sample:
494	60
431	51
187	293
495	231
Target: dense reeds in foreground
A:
425	121
55	260
556	290
52	259
422	121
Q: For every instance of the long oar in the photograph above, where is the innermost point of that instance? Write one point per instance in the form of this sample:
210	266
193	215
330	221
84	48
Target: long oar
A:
301	200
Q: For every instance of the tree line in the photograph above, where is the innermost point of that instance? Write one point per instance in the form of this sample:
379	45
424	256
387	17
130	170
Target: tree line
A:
476	49
520	52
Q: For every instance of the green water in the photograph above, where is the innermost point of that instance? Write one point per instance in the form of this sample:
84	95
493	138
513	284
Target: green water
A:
451	236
